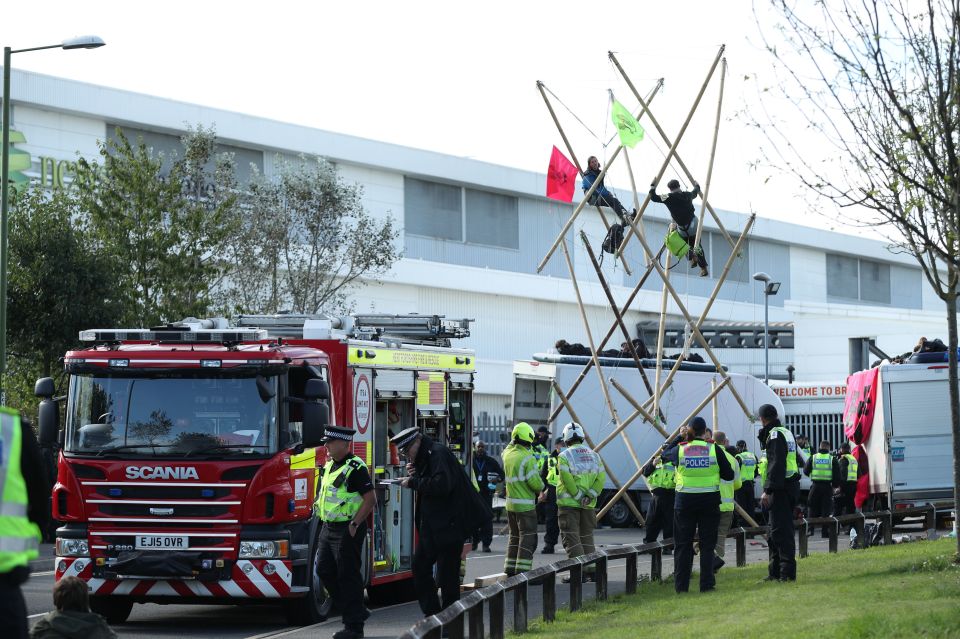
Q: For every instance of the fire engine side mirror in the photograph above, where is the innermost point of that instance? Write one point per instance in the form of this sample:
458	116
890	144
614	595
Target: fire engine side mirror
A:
48	420
316	416
316	390
44	388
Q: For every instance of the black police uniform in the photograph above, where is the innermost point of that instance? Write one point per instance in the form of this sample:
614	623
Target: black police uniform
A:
696	513
339	565
820	497
551	536
785	492
485	469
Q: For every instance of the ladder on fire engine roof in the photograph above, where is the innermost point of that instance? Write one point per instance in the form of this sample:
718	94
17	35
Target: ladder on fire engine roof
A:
434	330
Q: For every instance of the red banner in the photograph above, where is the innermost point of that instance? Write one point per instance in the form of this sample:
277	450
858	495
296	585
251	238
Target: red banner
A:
561	177
860	405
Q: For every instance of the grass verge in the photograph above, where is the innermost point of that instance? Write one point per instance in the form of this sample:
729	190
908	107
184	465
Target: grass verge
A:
908	590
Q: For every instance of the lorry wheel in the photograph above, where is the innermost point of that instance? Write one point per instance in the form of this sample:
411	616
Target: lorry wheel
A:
315	606
619	516
113	609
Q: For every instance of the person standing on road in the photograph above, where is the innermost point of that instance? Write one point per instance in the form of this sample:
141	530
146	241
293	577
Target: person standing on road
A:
523	485
700	467
24	509
581	480
824	472
548	497
487	472
849	472
661	479
72	618
727	491
346	499
781	490
443	495
748	471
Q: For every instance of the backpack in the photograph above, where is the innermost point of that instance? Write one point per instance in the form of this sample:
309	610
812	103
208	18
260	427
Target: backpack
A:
614	239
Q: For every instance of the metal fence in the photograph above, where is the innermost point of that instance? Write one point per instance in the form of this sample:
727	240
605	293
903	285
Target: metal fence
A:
489	429
492	598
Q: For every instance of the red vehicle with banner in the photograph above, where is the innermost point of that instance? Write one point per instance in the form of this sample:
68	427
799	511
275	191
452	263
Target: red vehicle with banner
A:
190	453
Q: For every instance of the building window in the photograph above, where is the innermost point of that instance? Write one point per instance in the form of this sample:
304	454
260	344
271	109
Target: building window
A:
453	213
850	278
719	253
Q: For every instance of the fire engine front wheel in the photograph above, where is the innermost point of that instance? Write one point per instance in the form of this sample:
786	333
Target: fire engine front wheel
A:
114	609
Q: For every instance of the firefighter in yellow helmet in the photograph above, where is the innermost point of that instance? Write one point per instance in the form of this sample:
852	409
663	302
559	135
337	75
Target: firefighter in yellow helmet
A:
522	477
24	495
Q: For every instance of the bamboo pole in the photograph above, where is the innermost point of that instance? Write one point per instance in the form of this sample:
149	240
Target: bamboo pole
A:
576	211
565	402
713	153
626	394
586	326
666	139
610	332
713	295
700	406
616	312
714	407
576	162
676	142
660	335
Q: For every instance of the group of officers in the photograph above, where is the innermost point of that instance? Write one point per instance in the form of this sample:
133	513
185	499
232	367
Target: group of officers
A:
695	480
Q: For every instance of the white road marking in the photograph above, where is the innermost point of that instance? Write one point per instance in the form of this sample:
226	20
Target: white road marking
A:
39	614
43	574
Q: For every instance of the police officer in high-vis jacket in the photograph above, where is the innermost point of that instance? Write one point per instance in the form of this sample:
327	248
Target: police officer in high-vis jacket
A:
700	467
344	500
661	478
581	480
24	495
781	490
824	473
749	469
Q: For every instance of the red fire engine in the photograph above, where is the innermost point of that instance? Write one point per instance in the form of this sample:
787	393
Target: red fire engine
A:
190	452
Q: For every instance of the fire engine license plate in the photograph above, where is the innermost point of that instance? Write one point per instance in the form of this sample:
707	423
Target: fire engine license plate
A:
162	542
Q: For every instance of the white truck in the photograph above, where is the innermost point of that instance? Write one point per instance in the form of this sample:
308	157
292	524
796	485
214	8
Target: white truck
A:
534	401
909	447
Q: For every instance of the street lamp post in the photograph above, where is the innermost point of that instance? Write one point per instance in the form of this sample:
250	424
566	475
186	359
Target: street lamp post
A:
80	42
769	288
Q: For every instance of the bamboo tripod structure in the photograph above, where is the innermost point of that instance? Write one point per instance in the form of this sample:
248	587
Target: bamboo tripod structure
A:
651	410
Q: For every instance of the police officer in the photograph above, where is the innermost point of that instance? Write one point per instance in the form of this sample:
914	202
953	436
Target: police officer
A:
581	480
548	497
700	467
748	471
781	490
345	500
661	479
727	491
824	472
487	473
523	485
24	496
443	495
803	447
849	472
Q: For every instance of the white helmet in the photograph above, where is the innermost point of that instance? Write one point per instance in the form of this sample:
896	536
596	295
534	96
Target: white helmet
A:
573	430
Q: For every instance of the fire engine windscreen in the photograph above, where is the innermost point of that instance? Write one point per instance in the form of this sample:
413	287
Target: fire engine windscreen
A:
218	416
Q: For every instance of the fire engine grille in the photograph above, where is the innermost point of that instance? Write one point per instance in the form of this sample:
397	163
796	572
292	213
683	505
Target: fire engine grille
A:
112	491
169	510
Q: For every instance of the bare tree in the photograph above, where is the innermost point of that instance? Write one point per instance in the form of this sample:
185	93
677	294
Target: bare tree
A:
304	241
876	85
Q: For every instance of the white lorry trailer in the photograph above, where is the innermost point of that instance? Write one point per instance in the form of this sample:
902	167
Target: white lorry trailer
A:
534	401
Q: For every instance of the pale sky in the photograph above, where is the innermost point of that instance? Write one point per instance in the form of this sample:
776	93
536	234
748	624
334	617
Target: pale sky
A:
458	78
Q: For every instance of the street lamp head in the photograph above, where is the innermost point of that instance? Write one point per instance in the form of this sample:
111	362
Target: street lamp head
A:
83	42
772	288
761	277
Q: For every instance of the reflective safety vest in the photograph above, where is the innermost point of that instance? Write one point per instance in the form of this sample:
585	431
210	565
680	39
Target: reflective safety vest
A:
806	453
822	467
792	469
665	476
698	471
581	476
553	476
335	502
762	469
852	467
728	488
19	537
522	477
748	463
540	453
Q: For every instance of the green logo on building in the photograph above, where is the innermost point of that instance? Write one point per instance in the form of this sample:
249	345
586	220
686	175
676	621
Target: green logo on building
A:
19	161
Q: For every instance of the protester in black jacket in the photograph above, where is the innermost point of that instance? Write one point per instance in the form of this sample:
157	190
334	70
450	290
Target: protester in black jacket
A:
781	490
442	499
680	205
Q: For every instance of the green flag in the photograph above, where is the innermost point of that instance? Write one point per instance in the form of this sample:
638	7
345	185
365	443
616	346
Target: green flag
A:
630	130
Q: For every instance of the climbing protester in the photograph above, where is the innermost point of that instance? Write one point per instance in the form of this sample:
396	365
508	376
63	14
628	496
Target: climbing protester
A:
602	195
680	205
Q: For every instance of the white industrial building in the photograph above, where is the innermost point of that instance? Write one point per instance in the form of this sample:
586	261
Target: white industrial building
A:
474	233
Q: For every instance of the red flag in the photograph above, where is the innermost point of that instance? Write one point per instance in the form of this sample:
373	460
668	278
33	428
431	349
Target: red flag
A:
561	177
